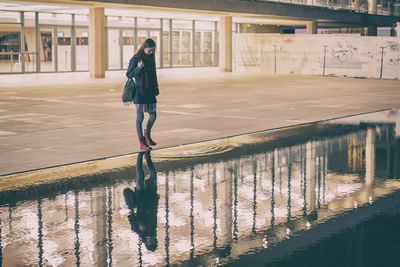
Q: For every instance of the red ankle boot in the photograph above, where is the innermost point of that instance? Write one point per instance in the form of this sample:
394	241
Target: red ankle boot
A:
148	139
143	144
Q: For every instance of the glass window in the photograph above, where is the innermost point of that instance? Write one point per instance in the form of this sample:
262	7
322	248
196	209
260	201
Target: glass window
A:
166	24
216	50
182	24
128	46
166	49
148	23
10	48
64	50
204	48
114	51
46	49
82	20
120	21
82	48
204	25
166	44
30	42
10	17
55	19
182	42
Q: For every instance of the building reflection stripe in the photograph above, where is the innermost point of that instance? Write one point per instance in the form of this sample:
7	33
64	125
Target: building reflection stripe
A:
1	245
191	214
40	232
254	195
109	227
167	218
76	229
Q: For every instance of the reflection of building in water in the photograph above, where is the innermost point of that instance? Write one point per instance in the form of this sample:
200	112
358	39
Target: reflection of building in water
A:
204	206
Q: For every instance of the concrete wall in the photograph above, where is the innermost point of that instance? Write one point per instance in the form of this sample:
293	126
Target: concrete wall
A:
346	54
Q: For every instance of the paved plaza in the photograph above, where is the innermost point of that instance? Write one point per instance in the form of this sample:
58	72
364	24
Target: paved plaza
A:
54	119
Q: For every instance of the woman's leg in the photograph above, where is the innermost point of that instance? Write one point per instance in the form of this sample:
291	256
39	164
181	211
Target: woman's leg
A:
150	122
139	120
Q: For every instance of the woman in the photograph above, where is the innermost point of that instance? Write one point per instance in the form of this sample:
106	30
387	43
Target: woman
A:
143	203
142	67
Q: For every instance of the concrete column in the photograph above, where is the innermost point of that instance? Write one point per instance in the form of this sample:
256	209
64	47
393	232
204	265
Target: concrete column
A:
310	176
226	190
370	157
397	29
97	43
99	225
371	6
225	44
312	27
397	128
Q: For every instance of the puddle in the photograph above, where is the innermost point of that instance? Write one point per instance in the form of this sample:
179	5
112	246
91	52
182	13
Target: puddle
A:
274	198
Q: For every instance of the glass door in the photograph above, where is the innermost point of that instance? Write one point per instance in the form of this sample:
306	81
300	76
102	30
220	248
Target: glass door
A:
128	46
64	49
46	53
10	48
114	51
82	48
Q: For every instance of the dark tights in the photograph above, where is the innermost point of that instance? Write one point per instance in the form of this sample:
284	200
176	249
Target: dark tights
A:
149	125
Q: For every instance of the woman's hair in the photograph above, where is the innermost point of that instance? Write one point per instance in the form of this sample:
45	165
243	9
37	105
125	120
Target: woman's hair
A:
146	44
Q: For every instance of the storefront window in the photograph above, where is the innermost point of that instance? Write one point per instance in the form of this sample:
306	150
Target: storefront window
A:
82	20
114	50
30	42
204	31
128	46
10	17
55	19
148	23
10	48
82	48
166	50
120	21
182	43
61	42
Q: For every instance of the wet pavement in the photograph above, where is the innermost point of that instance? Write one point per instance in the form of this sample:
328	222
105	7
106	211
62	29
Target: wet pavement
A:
63	118
326	192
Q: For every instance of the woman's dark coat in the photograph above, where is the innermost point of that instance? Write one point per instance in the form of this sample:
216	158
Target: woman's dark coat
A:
142	96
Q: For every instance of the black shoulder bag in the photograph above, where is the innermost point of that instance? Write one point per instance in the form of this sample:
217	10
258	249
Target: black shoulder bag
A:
129	91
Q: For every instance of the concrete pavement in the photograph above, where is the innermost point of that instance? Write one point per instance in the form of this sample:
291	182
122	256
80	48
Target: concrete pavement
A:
54	119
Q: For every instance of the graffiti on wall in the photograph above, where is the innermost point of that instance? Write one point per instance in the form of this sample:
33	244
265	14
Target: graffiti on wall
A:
340	55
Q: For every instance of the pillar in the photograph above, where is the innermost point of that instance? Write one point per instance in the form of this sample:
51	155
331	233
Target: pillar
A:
227	197
97	43
372	6
310	176
312	27
99	226
225	47
397	128
370	157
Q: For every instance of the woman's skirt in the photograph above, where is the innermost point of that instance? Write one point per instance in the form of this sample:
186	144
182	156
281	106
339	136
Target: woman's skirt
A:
146	107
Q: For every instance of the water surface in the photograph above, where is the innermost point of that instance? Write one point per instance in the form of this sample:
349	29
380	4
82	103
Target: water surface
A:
325	192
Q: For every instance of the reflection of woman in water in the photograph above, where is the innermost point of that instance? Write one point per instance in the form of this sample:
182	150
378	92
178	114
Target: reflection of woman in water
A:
143	203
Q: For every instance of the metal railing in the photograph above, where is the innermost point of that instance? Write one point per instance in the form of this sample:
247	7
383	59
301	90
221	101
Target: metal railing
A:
388	8
18	61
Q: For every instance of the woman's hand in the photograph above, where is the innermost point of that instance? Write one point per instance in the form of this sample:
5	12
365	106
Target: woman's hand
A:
140	64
